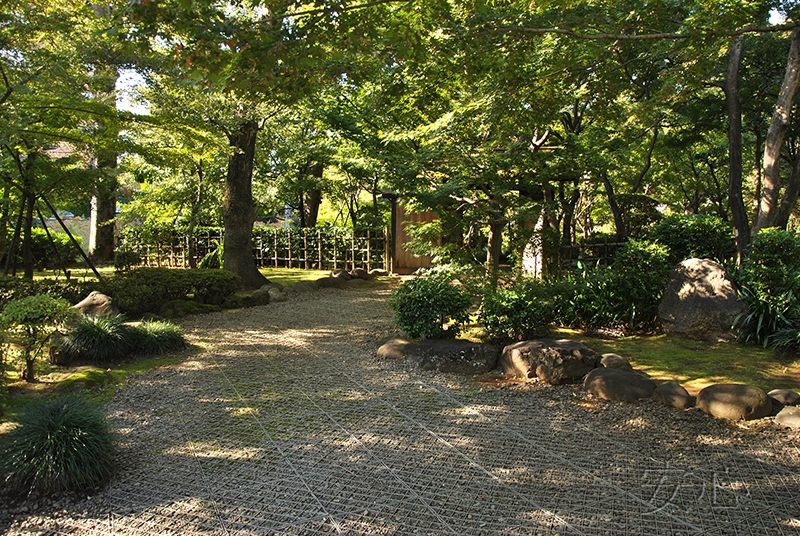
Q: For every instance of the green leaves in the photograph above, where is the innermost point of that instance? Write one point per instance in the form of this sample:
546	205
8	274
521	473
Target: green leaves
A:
424	305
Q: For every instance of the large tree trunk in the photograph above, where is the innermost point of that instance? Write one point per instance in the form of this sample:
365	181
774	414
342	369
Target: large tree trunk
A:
102	231
238	209
314	197
102	227
768	204
736	201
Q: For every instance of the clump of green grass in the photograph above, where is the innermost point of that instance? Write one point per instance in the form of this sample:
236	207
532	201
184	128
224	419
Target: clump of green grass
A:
102	339
60	444
99	338
153	338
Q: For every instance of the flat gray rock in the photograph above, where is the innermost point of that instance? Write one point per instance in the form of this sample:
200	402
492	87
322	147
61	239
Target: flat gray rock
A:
618	385
552	361
331	282
457	356
789	416
735	402
304	286
673	394
785	397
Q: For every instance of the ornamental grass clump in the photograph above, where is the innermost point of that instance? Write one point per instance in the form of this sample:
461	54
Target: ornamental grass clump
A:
99	338
60	444
151	338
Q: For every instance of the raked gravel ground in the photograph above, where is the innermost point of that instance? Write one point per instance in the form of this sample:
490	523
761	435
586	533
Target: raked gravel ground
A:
287	423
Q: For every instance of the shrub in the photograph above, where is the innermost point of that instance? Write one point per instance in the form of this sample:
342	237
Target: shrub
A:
147	289
42	249
60	444
695	236
640	276
522	312
624	295
124	260
424	304
14	288
31	321
769	282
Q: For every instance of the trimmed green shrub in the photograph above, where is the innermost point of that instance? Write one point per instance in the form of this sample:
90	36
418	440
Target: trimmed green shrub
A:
522	312
14	288
641	272
42	249
60	444
124	260
424	304
31	321
625	295
146	289
695	236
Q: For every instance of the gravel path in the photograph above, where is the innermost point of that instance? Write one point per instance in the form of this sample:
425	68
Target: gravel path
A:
287	423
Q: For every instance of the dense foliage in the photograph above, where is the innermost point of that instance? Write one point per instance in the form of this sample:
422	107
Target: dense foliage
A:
430	306
59	444
524	311
695	236
769	282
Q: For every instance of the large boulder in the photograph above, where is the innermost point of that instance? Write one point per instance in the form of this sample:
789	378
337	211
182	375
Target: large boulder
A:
343	274
550	360
304	286
735	402
359	273
456	356
393	349
615	361
97	304
673	394
332	282
700	302
619	385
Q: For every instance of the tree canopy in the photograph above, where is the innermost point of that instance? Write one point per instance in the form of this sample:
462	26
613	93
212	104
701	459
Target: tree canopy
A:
509	119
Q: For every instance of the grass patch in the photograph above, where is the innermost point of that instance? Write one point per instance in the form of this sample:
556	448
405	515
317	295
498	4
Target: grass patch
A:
696	364
289	276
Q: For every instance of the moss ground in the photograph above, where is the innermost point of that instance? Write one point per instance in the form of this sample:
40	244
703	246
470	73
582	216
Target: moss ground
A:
696	364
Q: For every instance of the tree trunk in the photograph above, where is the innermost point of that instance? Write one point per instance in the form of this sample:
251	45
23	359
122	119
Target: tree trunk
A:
104	212
736	201
768	205
569	213
313	201
238	209
198	202
495	249
789	198
27	239
619	221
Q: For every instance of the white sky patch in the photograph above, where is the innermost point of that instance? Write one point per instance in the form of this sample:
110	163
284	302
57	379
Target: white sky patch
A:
128	83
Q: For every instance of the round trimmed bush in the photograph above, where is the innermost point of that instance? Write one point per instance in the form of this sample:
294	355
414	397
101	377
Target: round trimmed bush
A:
695	236
60	444
423	305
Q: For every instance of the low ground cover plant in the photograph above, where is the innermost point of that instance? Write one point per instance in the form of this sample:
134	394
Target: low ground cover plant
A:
59	444
101	339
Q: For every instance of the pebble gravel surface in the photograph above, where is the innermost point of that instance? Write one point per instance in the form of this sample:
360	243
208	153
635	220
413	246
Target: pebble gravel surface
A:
286	422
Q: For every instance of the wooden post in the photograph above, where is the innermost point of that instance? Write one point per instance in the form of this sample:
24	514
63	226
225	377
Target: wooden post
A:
319	248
